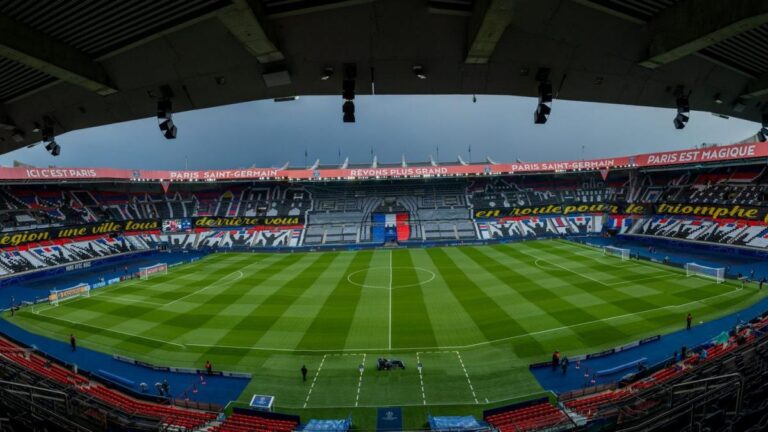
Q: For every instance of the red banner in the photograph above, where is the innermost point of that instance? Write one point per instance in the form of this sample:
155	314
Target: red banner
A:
680	157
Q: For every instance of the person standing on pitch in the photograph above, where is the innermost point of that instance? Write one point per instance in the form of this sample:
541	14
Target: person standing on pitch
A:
564	364
72	342
304	373
688	320
208	367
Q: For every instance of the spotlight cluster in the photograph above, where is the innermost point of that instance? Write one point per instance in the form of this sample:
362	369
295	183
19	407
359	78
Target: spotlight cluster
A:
165	118
48	137
544	108
683	110
348	93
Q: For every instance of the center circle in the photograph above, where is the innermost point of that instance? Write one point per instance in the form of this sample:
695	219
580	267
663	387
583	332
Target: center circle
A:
387	277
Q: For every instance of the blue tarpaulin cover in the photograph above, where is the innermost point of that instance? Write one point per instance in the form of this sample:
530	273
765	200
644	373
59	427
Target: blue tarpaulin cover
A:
453	423
327	425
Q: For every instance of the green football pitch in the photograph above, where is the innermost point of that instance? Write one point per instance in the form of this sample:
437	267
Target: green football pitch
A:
473	316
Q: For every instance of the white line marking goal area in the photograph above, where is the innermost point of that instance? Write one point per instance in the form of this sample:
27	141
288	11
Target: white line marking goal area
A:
439	374
335	372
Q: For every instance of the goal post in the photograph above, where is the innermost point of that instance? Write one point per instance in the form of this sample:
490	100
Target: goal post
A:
716	273
157	269
79	290
617	252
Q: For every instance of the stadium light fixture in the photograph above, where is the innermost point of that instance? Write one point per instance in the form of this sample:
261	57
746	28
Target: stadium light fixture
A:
683	110
165	118
680	121
348	93
168	128
349	111
418	70
544	108
50	139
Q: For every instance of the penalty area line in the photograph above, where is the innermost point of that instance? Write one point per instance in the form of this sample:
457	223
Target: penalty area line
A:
421	380
312	386
471	387
360	381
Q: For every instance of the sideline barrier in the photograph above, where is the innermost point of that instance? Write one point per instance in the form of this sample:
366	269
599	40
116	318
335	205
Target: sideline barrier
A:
621	367
605	353
124	359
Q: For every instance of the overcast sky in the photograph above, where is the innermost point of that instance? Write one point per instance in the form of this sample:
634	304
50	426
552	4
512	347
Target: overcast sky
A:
267	134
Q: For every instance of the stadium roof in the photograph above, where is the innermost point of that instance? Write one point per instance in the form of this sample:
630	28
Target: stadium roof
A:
75	64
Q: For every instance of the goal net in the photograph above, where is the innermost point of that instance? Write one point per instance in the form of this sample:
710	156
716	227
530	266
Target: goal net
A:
716	273
617	252
157	269
79	290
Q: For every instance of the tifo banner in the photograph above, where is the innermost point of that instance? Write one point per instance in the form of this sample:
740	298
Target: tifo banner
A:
17	238
714	211
557	209
679	157
223	222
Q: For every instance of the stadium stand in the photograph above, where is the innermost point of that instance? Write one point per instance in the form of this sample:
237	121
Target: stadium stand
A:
239	422
80	391
538	415
685	205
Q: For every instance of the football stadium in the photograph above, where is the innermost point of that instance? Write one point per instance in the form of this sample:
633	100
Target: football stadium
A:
620	292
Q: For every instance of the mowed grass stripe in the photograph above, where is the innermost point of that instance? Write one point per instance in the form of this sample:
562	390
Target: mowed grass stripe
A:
451	324
552	329
196	312
641	315
331	326
620	300
567	313
127	318
673	288
491	319
611	270
526	345
616	302
214	309
411	326
370	322
291	327
256	322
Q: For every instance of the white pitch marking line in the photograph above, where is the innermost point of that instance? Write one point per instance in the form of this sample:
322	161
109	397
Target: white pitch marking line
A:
211	285
360	381
471	388
390	300
314	380
115	331
421	381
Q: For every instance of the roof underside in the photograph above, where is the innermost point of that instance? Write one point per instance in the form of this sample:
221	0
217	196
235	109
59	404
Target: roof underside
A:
83	63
